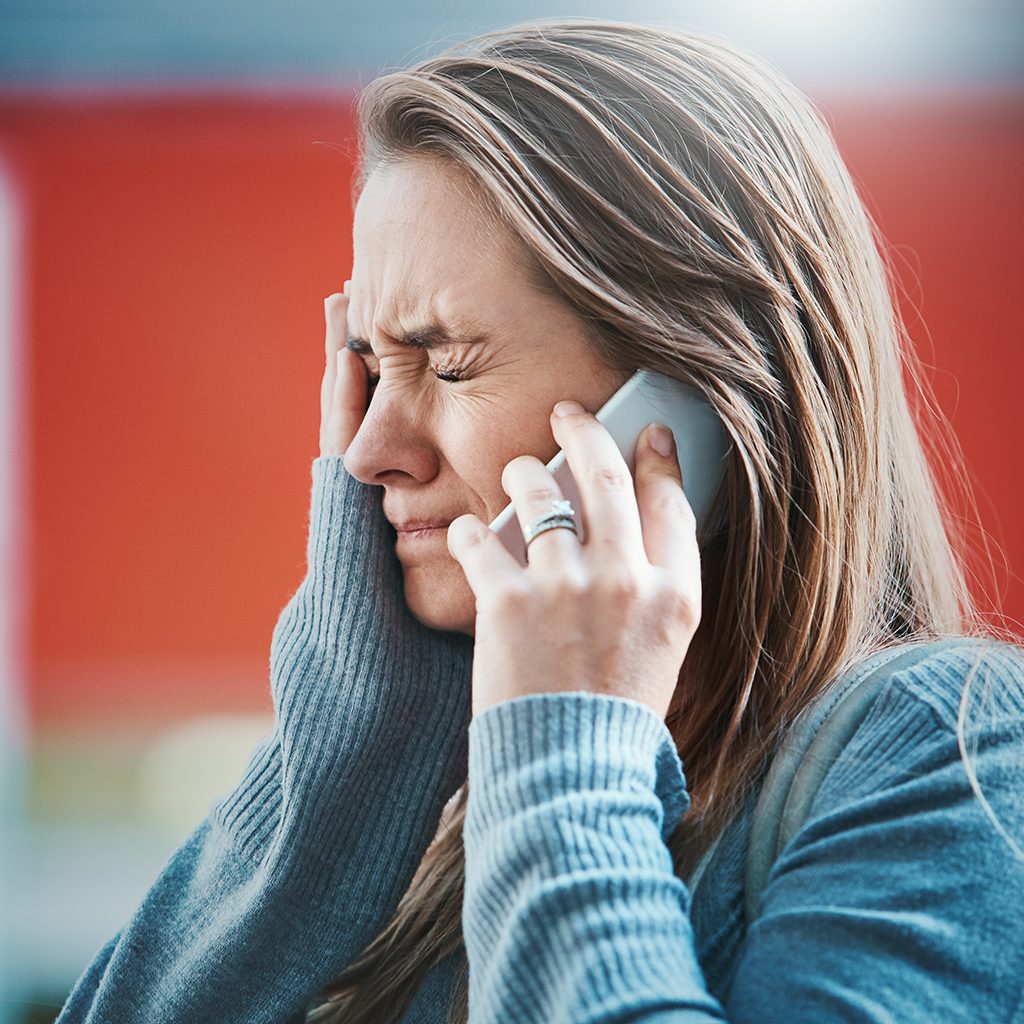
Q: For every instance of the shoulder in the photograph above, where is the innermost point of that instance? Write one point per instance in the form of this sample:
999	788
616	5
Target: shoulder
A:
944	735
966	685
904	886
970	682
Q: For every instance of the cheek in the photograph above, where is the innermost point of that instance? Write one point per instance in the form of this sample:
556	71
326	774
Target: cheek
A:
478	456
478	461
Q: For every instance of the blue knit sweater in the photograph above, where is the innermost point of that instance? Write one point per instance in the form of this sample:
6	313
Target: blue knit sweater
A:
898	900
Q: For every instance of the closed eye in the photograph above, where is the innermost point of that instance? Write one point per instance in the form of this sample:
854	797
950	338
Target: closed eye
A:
429	338
450	376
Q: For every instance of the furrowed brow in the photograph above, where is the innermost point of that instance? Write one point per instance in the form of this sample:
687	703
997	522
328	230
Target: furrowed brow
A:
432	336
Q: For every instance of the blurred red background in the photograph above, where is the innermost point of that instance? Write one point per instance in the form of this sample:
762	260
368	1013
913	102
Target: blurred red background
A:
176	255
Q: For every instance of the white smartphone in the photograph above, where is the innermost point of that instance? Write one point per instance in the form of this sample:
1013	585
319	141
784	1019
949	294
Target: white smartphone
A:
647	397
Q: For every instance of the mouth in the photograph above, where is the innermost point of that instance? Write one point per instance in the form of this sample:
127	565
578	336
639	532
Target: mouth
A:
420	529
409	525
420	533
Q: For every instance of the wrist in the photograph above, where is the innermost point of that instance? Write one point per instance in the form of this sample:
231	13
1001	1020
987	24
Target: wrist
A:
540	747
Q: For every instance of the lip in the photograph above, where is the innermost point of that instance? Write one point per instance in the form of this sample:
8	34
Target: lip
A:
433	531
421	525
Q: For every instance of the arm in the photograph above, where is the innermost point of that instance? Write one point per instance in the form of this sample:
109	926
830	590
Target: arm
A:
296	870
897	900
571	909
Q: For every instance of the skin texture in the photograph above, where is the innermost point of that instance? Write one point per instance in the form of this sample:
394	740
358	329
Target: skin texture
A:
424	250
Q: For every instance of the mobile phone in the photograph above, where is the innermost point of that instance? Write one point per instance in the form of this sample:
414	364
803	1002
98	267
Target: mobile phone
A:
647	397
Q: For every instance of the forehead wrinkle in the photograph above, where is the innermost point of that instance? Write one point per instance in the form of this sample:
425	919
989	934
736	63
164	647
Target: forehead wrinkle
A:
429	332
414	298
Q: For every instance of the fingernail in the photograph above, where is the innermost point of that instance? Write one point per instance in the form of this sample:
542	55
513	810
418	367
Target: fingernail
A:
661	440
348	284
567	408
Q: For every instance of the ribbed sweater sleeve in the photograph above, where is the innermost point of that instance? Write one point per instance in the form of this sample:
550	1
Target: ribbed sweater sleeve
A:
571	909
297	869
899	898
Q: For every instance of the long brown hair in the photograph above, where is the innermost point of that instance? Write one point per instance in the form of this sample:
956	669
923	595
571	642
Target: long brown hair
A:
692	208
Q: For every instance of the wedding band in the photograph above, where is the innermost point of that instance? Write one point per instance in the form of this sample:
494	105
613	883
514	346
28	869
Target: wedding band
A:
560	516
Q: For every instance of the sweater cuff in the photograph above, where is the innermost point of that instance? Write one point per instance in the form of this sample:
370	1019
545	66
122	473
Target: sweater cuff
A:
329	468
532	749
341	505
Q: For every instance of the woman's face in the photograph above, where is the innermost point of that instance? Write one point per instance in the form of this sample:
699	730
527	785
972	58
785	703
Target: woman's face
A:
428	258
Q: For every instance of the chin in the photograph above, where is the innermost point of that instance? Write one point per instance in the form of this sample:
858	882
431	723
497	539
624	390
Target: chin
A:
440	597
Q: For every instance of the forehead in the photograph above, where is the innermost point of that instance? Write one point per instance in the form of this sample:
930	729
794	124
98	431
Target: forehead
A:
421	192
422	237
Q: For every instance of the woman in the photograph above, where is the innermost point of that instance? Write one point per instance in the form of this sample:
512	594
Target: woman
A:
540	212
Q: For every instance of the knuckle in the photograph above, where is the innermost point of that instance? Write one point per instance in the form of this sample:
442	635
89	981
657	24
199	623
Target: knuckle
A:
476	537
538	495
334	308
621	586
574	584
510	599
566	587
680	604
670	501
612	478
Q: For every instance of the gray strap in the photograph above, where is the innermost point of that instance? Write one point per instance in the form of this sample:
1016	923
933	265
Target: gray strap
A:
702	865
816	739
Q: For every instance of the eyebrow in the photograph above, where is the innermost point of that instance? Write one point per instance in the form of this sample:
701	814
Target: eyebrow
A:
432	336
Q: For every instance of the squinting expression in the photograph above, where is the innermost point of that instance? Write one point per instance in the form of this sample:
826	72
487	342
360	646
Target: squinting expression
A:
471	357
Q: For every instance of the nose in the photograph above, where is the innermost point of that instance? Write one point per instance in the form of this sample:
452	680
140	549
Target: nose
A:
392	439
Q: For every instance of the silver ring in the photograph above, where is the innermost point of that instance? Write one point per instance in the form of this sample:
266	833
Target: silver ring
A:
560	515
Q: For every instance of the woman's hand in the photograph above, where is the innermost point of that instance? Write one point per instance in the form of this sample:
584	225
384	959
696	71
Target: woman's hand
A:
343	392
614	615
